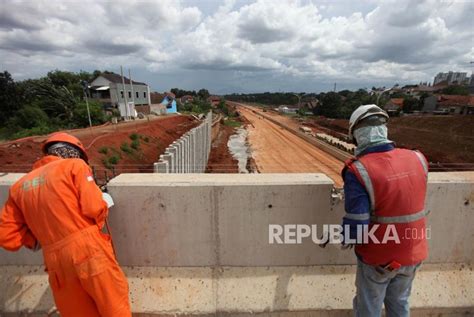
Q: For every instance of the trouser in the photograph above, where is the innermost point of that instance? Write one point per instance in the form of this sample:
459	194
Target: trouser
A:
377	286
85	277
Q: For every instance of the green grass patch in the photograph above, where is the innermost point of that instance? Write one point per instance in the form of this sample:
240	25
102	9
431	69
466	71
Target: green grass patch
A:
134	136
126	148
114	159
232	123
104	150
135	144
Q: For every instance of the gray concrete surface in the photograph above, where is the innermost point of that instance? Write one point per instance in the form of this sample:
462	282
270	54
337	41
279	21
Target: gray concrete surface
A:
198	244
213	219
248	290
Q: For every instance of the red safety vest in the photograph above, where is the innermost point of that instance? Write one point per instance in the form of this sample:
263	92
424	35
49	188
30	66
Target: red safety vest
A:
396	183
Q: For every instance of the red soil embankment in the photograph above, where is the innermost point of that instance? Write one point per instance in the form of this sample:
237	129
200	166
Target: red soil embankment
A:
153	138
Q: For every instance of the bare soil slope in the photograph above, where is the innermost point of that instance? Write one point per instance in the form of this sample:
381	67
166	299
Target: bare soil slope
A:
153	138
445	139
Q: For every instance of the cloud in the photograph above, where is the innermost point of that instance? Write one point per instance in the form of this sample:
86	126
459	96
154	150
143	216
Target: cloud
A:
284	43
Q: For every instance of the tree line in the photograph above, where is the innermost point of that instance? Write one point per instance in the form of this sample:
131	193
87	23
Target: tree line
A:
339	104
50	103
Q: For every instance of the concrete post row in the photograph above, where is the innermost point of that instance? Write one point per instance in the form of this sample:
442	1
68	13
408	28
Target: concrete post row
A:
190	153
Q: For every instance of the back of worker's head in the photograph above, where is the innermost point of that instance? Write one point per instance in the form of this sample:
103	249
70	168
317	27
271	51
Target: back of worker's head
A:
367	127
64	146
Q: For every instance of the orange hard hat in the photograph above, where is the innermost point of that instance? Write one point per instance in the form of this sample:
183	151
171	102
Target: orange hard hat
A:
66	138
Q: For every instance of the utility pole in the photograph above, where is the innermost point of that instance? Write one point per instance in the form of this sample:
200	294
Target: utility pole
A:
335	87
386	90
131	86
124	94
85	87
299	99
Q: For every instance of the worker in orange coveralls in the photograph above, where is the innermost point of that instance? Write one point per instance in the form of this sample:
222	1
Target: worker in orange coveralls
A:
59	207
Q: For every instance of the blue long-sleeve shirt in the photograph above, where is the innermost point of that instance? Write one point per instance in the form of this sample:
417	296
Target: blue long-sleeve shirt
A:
357	201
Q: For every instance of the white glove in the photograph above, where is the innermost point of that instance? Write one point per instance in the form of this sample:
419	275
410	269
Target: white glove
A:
108	199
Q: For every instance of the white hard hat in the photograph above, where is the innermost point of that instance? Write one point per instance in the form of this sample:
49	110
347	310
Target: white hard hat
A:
363	112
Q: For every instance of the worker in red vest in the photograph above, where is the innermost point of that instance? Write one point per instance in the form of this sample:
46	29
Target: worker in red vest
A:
385	192
59	207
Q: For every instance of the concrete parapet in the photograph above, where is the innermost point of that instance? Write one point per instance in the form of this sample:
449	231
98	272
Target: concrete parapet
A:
214	219
192	150
198	244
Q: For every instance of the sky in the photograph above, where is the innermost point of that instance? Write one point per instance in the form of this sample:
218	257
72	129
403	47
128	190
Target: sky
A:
241	46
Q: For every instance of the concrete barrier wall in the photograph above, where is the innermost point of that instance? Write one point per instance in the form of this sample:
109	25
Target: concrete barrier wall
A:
212	219
198	244
188	154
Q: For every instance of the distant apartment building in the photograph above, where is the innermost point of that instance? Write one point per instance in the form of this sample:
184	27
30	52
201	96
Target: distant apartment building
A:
109	89
450	78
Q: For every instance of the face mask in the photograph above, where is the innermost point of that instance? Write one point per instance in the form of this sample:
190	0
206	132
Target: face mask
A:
370	136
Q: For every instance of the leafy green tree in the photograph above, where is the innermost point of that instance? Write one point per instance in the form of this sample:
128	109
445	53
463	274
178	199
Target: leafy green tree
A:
28	117
58	102
456	90
411	104
9	98
81	118
203	94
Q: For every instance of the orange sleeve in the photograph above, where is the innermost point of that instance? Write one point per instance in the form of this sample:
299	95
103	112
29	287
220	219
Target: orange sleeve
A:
90	196
14	233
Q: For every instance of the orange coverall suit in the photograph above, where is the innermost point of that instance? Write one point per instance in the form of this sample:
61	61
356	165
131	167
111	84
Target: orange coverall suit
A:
59	205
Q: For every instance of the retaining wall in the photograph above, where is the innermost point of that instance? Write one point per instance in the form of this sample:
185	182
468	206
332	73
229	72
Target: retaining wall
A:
188	154
198	244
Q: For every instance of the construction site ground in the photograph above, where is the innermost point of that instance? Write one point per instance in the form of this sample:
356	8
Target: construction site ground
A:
276	150
220	159
107	141
447	141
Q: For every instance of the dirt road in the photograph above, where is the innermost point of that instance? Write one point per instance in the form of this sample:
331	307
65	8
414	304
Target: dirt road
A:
276	150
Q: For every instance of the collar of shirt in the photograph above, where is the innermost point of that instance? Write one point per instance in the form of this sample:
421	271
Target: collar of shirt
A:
378	148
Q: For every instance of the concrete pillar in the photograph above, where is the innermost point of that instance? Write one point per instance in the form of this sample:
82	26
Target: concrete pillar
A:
161	167
200	149
173	153
167	157
186	153
193	151
183	155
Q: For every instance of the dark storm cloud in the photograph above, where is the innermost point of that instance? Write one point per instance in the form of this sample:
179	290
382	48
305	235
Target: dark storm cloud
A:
223	65
257	32
25	45
112	49
10	21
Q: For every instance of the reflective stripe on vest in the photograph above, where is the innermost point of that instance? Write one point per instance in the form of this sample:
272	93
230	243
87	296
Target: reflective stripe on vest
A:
400	219
423	162
367	183
351	216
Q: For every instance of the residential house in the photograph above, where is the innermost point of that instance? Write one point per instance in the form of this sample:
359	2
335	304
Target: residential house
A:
109	89
456	104
186	98
449	104
394	106
214	100
169	101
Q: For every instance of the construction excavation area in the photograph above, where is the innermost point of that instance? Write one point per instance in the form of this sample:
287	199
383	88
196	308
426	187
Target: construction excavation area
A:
197	244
